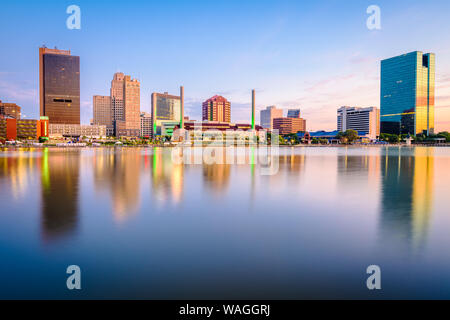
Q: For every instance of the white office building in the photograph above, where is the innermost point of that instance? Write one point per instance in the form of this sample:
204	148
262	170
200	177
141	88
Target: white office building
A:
364	120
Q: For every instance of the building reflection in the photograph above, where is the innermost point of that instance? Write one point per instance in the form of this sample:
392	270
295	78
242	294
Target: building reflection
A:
59	190
167	177
407	196
119	172
18	170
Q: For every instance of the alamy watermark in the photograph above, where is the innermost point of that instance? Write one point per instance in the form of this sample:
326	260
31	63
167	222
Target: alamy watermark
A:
374	20
374	281
74	20
227	147
74	280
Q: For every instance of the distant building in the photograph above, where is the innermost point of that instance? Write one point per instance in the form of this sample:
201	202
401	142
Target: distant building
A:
76	131
220	126
407	94
289	125
11	110
166	109
363	120
146	124
267	116
293	113
59	86
216	108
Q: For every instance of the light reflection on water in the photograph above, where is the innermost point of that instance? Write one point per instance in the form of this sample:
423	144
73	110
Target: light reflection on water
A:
141	226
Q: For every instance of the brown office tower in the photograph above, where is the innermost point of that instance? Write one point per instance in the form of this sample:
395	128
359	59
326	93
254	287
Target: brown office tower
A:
59	82
217	108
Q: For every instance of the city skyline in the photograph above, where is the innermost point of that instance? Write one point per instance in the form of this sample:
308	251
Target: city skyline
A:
337	62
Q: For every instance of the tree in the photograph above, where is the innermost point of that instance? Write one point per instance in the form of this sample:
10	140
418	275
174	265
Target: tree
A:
348	136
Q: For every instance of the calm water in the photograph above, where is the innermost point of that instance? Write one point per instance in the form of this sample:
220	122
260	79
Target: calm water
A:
140	226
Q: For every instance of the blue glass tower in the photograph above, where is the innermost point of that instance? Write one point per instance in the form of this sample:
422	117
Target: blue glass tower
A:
407	94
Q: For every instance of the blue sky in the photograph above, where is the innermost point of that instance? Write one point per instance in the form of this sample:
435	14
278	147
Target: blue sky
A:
316	55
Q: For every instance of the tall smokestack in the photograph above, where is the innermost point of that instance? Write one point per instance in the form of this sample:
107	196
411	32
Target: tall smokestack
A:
181	107
253	109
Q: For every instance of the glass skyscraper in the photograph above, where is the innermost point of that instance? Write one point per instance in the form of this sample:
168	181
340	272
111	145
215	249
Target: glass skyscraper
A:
407	94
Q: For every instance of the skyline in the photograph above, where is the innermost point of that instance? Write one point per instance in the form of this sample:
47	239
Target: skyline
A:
316	57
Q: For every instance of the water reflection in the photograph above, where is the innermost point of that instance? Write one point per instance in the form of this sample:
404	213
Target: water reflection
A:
407	196
167	178
119	171
59	191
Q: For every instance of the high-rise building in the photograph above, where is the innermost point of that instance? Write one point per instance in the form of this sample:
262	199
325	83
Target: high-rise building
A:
132	110
216	108
293	113
102	111
166	109
268	115
146	124
11	110
407	94
117	96
364	120
289	125
59	82
120	112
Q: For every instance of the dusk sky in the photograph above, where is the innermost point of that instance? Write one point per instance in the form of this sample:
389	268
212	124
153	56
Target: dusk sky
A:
316	56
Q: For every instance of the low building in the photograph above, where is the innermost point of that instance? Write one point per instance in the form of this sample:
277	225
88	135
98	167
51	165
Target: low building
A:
11	110
216	125
121	129
289	125
26	129
76	131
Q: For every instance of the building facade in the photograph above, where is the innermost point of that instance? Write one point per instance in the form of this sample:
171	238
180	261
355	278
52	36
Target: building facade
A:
267	116
24	129
289	125
10	110
407	94
132	98
59	86
216	108
76	131
102	111
166	109
146	124
363	120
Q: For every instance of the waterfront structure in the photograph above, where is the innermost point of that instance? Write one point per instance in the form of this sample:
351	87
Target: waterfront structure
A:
146	124
217	125
11	110
76	131
293	113
168	110
59	86
289	125
13	129
268	115
363	120
217	109
407	94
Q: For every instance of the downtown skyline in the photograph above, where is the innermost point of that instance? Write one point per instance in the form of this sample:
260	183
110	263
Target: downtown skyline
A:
340	66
